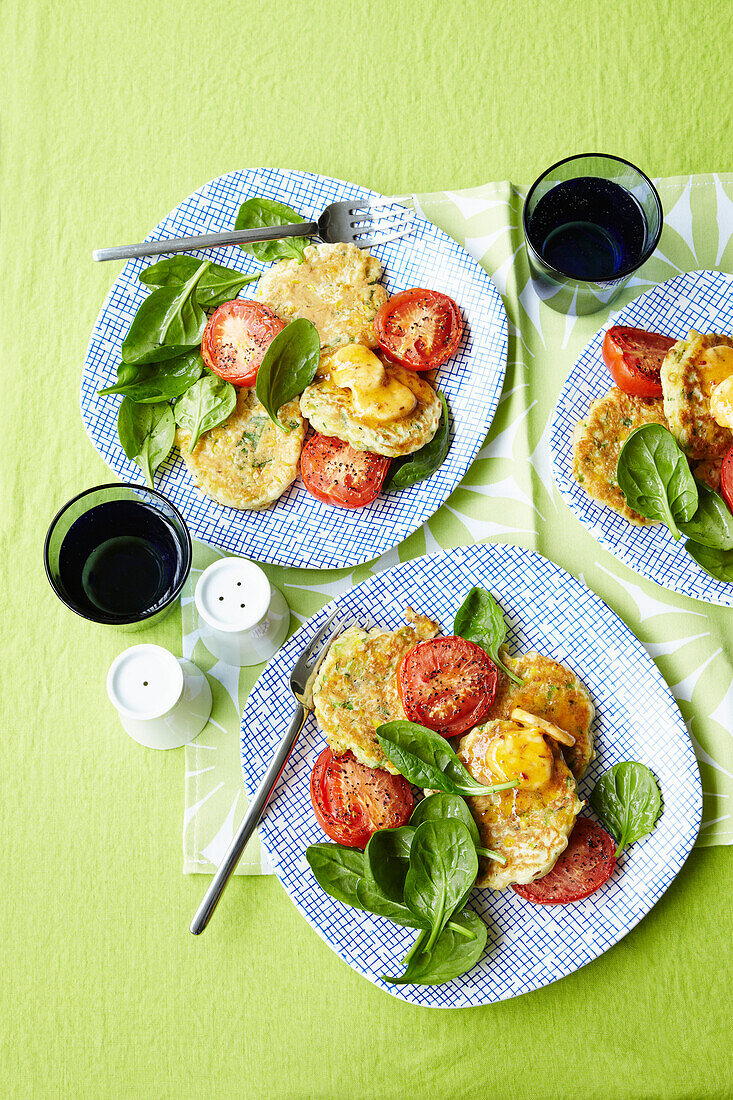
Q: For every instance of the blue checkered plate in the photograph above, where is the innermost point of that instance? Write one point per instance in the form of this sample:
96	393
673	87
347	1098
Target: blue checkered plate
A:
702	300
298	530
637	719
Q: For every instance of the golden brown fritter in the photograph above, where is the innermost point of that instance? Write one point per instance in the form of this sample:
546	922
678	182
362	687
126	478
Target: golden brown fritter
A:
247	462
335	287
356	687
688	377
530	824
331	411
597	442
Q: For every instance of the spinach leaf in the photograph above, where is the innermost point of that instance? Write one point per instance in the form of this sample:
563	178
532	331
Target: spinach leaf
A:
655	478
344	874
147	433
442	871
627	800
444	868
387	857
441	805
456	951
718	563
151	382
712	523
375	901
169	322
427	760
337	870
479	619
257	213
217	285
423	463
205	404
288	366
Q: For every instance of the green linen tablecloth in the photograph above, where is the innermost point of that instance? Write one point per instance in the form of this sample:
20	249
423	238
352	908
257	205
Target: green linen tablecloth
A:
111	114
508	496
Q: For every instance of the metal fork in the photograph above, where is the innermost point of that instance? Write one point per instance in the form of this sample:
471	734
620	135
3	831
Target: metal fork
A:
301	679
361	223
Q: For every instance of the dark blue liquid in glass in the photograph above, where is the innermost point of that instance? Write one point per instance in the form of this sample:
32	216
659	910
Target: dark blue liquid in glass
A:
589	228
121	559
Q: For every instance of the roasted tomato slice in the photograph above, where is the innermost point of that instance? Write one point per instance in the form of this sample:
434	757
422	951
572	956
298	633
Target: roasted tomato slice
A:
236	338
587	862
447	684
419	328
352	801
634	357
335	473
726	479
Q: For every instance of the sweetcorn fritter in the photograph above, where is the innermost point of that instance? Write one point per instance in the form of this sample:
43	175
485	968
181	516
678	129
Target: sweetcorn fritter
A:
688	377
597	442
246	462
356	687
551	691
336	287
530	824
331	411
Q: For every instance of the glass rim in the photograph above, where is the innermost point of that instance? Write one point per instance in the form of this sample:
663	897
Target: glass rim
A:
119	485
625	271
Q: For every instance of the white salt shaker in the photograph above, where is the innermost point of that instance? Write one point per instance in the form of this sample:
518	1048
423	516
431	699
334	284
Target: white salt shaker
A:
243	619
163	701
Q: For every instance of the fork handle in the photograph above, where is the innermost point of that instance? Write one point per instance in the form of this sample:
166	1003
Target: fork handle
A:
207	240
251	818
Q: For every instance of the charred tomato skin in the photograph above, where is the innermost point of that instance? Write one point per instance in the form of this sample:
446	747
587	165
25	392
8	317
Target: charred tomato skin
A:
726	478
634	359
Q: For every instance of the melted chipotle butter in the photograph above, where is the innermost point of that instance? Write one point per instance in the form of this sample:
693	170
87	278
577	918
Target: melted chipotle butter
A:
515	752
528	824
716	367
721	402
521	753
379	394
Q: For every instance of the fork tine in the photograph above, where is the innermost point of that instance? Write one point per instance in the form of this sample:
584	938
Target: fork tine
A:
383	226
399	214
393	227
380	225
377	214
339	628
311	658
368	242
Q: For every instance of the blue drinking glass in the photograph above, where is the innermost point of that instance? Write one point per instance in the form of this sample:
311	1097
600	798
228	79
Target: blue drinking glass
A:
590	221
118	554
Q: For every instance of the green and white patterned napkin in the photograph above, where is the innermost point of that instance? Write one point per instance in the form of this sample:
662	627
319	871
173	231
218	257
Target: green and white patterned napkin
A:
508	496
215	796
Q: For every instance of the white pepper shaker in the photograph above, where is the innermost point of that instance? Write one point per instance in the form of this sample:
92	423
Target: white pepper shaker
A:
163	701
243	619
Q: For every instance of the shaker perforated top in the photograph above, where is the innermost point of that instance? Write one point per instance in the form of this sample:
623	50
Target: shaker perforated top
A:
144	682
233	594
